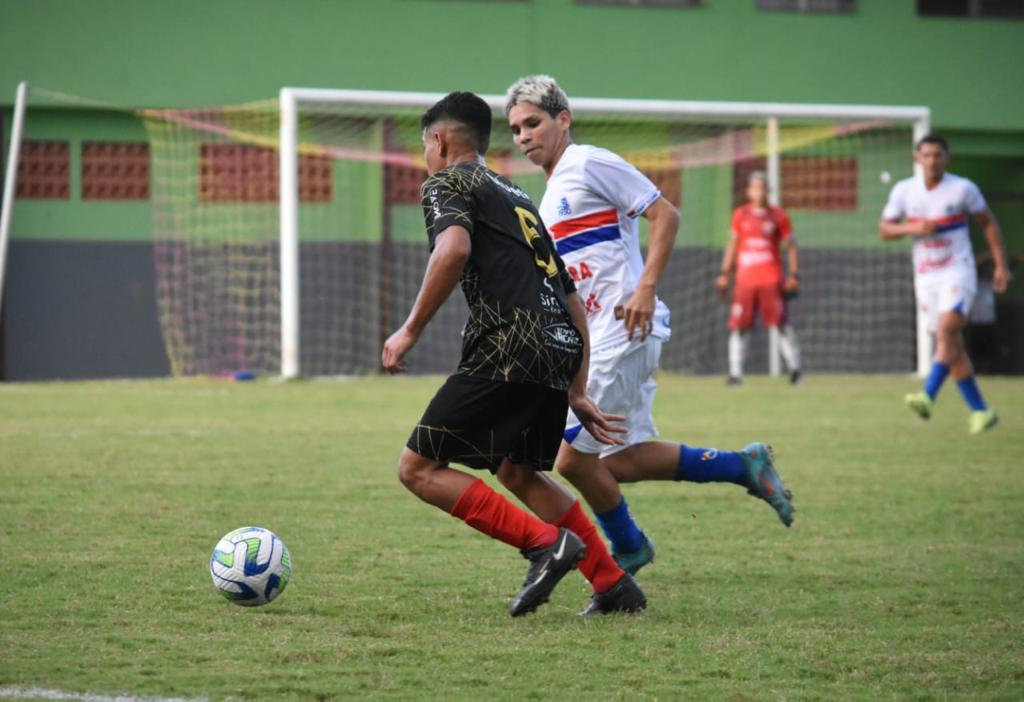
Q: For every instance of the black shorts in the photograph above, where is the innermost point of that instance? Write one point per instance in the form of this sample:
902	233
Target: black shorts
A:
479	423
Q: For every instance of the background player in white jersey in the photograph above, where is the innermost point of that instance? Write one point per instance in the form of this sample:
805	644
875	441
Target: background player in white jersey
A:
591	206
936	207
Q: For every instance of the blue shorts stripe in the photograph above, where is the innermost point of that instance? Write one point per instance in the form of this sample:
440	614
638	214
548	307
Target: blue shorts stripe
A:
572	432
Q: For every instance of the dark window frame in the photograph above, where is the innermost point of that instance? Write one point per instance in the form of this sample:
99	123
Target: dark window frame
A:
673	4
808	7
968	9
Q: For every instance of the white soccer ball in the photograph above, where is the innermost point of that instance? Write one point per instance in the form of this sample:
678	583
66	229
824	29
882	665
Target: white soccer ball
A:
250	566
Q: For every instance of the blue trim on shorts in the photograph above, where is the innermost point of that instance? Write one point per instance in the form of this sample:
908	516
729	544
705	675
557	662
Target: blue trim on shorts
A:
572	432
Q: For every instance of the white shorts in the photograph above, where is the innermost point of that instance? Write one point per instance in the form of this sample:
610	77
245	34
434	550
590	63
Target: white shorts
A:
935	298
621	382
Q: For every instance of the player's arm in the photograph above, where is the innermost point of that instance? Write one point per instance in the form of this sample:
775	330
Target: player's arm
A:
728	262
596	422
793	265
451	251
892	225
895	229
664	224
994	236
792	282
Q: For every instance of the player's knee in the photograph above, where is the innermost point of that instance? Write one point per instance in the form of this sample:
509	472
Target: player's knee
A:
413	471
512	477
948	344
569	468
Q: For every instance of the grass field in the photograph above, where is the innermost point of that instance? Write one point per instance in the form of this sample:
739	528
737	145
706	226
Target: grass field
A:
902	579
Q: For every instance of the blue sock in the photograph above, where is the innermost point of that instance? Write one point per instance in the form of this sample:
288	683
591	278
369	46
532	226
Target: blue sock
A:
935	378
972	395
699	465
618	525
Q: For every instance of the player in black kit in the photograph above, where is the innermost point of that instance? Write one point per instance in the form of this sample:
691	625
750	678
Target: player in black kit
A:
524	362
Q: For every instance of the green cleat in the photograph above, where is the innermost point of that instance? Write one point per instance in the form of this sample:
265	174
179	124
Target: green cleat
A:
764	481
920	403
632	562
982	421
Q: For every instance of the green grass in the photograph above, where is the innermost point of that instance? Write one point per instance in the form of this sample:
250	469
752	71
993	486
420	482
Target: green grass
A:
902	579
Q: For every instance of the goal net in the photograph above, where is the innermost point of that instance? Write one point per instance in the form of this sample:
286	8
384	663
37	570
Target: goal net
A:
306	267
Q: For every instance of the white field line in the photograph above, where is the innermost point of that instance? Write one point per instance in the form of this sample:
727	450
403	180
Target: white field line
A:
36	693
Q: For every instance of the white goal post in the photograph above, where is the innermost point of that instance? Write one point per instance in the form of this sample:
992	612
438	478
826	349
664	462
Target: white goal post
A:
292	99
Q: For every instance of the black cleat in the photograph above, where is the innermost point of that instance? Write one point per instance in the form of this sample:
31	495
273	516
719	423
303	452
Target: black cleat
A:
547	567
734	380
625	596
796	377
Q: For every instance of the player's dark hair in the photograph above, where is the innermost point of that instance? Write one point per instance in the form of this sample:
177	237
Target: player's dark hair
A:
933	138
466	109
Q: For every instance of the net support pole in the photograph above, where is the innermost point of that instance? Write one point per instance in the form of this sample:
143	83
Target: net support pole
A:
774	176
289	235
925	342
11	178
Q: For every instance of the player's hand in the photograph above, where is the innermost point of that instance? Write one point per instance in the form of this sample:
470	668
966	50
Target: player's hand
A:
639	313
1001	278
598	424
722	283
792	285
924	228
395	348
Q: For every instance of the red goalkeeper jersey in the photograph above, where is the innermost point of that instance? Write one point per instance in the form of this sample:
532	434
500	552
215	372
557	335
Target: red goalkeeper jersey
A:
757	233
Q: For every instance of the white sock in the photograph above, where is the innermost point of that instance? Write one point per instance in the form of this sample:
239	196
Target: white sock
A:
737	350
789	348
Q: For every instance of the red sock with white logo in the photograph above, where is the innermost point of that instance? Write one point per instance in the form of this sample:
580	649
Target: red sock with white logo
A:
487	511
598	567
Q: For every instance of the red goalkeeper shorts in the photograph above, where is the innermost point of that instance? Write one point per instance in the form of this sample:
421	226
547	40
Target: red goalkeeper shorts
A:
751	300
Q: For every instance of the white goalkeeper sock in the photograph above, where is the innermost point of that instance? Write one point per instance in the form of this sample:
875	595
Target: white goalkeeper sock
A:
789	348
737	351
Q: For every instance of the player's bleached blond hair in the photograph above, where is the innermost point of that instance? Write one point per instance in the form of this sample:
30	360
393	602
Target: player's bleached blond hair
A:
757	175
540	90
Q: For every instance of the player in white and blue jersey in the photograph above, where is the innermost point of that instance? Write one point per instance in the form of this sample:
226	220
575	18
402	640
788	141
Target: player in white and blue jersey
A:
591	208
934	209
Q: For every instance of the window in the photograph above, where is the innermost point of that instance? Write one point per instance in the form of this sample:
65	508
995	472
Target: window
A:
44	170
808	182
990	9
825	7
115	171
402	183
244	173
643	3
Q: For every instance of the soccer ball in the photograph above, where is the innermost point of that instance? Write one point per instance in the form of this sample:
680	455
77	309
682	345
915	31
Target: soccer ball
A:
250	566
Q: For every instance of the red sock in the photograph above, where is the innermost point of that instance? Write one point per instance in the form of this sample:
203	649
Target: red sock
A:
598	567
487	511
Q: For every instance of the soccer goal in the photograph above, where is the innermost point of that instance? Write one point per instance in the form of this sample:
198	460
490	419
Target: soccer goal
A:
289	233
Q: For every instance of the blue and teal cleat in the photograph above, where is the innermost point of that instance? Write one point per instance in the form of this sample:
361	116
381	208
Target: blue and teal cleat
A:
634	561
764	480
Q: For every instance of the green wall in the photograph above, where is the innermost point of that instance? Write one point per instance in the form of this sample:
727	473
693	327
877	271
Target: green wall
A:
198	52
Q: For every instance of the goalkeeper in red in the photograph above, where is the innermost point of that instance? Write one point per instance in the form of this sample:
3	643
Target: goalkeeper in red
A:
524	363
591	208
759	231
936	206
